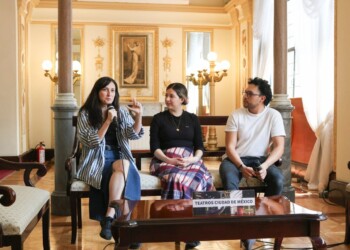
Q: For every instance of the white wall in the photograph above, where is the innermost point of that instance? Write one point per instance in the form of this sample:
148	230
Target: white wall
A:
342	119
226	89
9	121
40	87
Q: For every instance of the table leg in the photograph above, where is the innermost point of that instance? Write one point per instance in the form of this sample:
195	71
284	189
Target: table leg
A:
278	243
318	243
347	223
120	247
121	244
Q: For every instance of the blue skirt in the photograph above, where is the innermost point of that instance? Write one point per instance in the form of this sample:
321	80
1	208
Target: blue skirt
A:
99	198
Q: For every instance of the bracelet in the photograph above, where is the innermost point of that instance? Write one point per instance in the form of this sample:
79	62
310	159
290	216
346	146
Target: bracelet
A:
240	166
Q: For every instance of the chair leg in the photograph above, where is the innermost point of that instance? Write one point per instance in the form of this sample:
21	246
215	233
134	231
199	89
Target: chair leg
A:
17	243
73	216
347	223
278	243
80	224
46	227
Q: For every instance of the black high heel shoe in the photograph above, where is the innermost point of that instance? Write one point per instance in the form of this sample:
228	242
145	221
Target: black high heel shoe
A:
135	246
106	232
192	244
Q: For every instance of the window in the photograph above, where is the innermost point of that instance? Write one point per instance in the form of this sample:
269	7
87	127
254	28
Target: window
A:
293	90
198	45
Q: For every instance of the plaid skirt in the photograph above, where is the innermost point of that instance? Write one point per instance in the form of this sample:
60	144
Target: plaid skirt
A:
180	182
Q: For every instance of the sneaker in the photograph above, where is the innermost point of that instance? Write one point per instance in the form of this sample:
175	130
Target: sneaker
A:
248	244
135	246
106	232
192	244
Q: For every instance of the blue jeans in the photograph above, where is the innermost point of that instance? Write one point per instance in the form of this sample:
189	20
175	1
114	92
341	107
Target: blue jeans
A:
99	198
231	176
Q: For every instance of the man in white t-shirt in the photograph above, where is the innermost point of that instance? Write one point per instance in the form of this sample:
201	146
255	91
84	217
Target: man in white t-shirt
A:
250	131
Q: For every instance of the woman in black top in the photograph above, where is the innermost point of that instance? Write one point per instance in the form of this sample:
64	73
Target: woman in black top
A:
176	142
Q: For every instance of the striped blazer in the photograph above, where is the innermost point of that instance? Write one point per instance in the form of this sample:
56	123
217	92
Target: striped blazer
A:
92	160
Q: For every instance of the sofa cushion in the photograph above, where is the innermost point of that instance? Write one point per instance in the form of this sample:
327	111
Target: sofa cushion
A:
149	181
251	182
79	186
29	201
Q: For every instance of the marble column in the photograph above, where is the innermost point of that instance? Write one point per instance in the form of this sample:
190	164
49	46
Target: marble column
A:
280	100
64	107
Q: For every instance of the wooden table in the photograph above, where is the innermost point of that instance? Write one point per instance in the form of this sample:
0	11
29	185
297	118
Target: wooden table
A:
173	220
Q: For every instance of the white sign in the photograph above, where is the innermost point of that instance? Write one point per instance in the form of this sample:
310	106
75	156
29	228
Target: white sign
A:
226	202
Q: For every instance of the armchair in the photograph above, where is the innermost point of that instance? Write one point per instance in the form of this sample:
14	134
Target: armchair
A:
22	206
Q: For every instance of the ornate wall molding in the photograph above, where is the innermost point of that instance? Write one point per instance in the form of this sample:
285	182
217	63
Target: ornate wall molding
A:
99	43
25	8
167	44
241	13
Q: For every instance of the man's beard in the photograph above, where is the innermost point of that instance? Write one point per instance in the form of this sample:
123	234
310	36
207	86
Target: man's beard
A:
248	105
245	104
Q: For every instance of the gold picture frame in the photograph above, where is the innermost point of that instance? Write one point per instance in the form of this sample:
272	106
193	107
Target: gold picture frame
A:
134	51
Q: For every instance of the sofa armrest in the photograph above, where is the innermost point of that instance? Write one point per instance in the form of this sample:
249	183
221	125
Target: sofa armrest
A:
28	167
139	154
8	196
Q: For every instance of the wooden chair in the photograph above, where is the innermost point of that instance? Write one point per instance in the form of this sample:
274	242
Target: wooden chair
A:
76	189
22	207
150	185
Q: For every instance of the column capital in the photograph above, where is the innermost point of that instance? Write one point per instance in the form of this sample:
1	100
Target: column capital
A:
281	101
65	100
240	10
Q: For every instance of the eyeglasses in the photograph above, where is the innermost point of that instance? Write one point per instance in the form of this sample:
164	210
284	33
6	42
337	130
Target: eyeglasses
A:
249	94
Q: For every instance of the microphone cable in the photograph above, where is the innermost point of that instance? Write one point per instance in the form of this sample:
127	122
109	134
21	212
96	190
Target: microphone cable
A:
123	193
121	157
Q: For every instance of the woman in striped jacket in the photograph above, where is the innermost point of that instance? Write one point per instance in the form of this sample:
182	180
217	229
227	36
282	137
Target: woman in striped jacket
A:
106	162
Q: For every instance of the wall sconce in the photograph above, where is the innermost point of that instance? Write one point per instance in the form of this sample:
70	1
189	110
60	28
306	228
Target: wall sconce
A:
211	73
47	66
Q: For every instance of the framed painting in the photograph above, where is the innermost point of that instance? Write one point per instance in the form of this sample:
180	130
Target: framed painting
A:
135	62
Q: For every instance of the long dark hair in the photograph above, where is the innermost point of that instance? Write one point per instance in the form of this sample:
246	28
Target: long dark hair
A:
92	104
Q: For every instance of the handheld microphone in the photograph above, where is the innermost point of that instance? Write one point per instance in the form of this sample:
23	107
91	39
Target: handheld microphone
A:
258	168
110	107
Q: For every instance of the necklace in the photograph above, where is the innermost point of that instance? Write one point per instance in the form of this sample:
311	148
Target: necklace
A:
177	126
